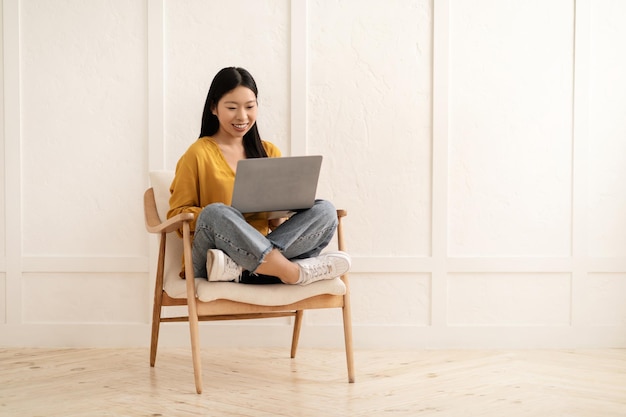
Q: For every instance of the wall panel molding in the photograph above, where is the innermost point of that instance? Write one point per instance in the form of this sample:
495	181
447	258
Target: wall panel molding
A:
392	265
580	136
361	265
12	158
217	335
439	237
103	264
299	71
156	137
3	196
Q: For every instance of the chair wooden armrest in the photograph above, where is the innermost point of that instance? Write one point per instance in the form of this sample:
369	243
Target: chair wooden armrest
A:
153	221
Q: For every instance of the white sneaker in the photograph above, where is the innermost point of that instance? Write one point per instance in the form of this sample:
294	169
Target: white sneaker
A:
219	267
326	266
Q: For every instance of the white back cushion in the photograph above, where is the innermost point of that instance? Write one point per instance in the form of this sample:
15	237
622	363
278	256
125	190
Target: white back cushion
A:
161	182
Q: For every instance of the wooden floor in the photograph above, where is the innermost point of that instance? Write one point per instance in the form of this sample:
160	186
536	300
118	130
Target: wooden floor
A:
119	382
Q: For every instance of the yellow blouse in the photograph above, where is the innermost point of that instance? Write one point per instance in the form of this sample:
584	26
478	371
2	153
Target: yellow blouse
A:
203	177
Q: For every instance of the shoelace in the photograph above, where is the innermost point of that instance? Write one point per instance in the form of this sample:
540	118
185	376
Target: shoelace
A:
231	268
318	269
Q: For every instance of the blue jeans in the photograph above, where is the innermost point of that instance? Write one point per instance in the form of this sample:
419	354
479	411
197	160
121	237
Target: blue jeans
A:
222	227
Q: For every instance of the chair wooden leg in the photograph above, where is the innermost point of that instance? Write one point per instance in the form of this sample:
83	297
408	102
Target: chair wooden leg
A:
297	324
192	309
158	302
156	324
347	331
347	315
195	351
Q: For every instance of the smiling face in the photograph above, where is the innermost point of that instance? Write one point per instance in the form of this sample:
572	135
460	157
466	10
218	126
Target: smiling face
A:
236	112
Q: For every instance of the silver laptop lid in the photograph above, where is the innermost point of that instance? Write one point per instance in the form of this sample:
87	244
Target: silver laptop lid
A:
276	184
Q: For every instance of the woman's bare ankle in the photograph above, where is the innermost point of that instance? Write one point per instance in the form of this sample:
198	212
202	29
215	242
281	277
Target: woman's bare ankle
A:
275	264
293	276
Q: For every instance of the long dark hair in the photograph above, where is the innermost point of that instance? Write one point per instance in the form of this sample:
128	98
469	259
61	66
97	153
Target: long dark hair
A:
226	80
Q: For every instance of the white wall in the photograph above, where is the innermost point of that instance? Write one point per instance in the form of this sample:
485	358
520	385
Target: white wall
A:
479	148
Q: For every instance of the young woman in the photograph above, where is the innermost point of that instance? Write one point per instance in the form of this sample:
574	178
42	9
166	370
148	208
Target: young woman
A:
229	246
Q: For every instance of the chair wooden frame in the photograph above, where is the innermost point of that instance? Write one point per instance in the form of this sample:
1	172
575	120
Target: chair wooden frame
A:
226	309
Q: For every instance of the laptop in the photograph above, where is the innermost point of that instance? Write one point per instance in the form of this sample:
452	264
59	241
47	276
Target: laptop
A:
279	185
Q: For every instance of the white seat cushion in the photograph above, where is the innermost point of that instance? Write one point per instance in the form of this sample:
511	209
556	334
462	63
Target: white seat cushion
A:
267	295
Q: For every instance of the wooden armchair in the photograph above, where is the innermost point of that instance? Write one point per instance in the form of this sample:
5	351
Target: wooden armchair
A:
208	301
